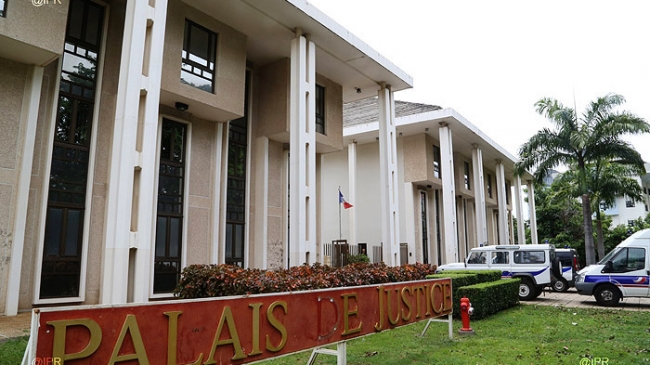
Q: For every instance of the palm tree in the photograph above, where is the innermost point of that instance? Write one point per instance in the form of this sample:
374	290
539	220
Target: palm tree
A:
605	182
593	138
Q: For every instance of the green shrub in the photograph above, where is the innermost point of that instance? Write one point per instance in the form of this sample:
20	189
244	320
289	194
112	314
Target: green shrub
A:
356	259
492	297
203	281
462	278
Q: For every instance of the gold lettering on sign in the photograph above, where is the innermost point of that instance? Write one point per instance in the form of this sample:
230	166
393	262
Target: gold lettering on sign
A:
130	325
347	313
226	317
60	328
256	329
418	303
277	325
172	338
406	311
389	305
379	325
447	295
436	287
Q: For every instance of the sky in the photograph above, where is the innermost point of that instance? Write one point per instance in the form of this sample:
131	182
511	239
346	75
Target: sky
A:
492	60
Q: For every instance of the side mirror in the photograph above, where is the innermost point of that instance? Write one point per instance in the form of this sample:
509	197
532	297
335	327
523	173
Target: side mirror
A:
609	267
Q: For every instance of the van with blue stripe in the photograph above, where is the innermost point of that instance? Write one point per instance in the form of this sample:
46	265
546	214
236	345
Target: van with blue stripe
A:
624	272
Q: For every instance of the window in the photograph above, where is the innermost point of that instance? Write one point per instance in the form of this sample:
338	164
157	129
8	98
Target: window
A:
629	259
630	222
466	175
198	57
320	109
477	257
236	190
436	162
529	257
489	185
66	201
3	8
169	224
507	193
629	202
500	257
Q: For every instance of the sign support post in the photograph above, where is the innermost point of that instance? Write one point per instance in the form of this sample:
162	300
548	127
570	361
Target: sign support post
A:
340	353
448	320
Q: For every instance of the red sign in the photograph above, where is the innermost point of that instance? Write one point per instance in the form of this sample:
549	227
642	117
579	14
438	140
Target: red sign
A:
234	330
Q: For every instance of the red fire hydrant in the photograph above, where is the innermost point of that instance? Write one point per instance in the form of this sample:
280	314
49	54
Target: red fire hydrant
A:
466	310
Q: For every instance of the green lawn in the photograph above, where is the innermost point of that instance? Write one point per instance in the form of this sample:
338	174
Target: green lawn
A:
527	334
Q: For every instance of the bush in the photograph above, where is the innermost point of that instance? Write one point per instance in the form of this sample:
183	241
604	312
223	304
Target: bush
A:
360	258
492	297
203	281
462	278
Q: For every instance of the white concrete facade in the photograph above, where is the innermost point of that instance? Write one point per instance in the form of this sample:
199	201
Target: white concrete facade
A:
446	209
246	159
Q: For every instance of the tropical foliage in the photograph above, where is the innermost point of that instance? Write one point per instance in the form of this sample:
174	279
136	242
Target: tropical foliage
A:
593	139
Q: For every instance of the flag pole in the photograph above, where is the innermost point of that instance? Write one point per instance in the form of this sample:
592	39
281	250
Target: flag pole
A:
339	198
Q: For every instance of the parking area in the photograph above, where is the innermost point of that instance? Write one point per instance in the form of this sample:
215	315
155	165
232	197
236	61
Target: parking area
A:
571	298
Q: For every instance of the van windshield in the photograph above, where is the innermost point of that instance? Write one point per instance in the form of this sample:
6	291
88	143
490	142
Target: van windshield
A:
609	256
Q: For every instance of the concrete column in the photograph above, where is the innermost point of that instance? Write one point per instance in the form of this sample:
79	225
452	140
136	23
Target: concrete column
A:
302	160
479	196
388	177
448	219
217	216
532	213
31	103
261	201
130	215
504	237
519	206
352	191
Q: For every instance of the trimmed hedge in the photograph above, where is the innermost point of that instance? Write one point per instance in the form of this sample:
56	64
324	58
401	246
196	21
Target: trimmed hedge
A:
463	278
203	281
492	297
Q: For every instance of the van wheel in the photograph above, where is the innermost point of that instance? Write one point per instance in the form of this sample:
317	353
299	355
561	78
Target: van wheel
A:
560	286
527	290
607	295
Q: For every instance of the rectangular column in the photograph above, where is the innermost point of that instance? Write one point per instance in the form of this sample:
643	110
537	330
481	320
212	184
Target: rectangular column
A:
449	217
521	232
504	236
31	103
352	191
479	196
302	159
532	213
388	177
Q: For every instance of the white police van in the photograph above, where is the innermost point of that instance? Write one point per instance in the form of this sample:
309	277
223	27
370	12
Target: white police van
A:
624	272
535	265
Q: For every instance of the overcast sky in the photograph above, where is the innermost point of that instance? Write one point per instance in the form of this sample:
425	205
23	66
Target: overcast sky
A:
492	60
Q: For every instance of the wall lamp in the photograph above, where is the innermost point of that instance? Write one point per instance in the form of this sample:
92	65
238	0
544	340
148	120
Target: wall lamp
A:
181	106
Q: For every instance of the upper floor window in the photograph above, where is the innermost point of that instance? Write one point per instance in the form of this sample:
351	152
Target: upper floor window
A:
489	185
198	57
320	109
466	175
436	162
629	202
3	7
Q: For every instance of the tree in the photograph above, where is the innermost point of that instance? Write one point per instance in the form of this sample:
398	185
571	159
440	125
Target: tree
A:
605	182
577	142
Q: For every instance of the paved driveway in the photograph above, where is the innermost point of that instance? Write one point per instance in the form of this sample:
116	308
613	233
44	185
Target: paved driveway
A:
571	298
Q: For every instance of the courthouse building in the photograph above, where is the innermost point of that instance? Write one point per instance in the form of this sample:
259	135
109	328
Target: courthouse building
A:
139	137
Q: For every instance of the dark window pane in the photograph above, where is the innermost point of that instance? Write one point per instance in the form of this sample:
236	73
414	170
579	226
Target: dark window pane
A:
53	231
175	238
72	233
161	236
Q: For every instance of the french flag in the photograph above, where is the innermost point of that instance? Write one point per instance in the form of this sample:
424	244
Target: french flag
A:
342	200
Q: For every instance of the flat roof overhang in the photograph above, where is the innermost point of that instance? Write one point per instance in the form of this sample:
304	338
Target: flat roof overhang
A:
340	56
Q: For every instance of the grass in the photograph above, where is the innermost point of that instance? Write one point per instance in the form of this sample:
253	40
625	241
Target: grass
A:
527	334
12	351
